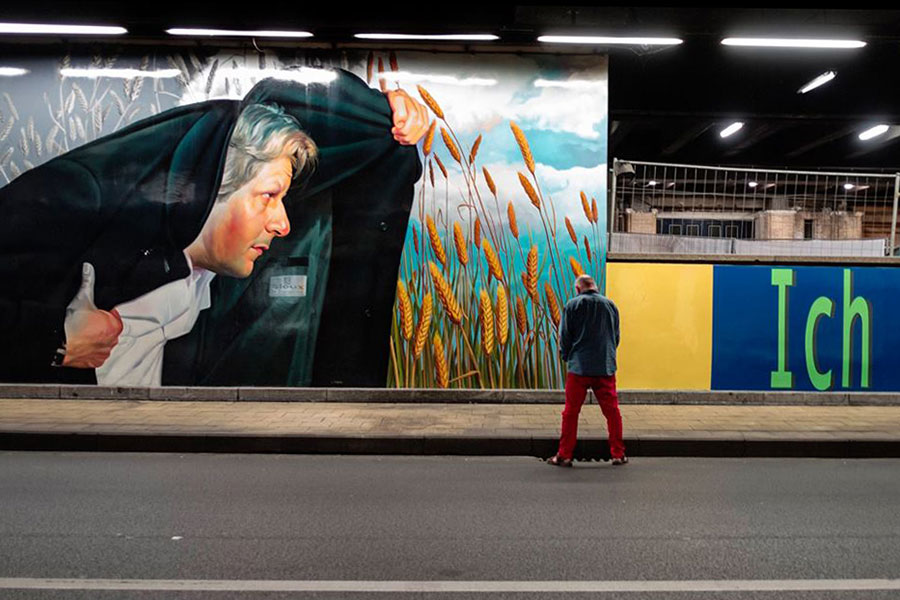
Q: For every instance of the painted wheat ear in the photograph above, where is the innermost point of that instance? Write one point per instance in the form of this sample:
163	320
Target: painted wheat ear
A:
576	266
460	243
445	294
440	362
502	315
406	317
552	303
492	259
451	146
587	247
594	213
431	172
474	151
441	166
436	244
522	141
490	181
571	231
529	190
532	265
521	316
370	65
424	325
513	224
415	238
430	102
381	82
487	322
477	233
429	139
586	208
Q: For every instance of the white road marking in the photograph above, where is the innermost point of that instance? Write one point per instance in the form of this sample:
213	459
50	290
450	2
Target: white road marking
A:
562	587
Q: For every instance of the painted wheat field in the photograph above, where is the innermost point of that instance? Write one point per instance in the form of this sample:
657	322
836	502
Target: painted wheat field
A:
479	294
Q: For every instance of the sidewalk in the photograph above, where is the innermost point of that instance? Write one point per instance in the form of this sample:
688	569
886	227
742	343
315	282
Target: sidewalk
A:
443	428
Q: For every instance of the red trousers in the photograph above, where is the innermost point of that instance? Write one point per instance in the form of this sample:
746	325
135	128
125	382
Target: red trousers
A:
604	388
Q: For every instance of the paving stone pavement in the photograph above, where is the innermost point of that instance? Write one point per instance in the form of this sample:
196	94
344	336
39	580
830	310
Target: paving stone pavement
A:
485	421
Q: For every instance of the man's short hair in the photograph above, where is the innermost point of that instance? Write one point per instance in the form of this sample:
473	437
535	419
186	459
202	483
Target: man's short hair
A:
264	132
585	282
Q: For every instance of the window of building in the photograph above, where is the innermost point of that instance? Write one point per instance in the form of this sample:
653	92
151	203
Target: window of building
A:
715	231
807	229
731	231
674	229
693	230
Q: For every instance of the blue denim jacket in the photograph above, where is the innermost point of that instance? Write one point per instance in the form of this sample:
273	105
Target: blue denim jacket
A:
589	334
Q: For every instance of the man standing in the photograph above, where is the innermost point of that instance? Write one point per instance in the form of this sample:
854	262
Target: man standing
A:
588	337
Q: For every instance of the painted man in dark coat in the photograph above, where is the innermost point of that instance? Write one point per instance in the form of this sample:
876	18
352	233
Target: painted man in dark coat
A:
131	203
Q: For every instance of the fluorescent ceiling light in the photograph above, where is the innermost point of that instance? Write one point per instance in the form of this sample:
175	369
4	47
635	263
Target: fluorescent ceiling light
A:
239	33
408	77
12	71
817	82
731	129
609	40
652	183
868	134
770	185
752	184
862	187
459	37
119	73
671	184
60	29
792	43
848	186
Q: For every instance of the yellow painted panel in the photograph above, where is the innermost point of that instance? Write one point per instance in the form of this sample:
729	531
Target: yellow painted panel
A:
665	315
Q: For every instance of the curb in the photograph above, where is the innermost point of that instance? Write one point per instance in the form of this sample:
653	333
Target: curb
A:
437	396
587	449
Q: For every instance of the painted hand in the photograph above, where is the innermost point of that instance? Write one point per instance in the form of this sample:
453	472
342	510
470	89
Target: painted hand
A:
410	118
91	333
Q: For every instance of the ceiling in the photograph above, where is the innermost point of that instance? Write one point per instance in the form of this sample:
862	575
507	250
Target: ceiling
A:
665	105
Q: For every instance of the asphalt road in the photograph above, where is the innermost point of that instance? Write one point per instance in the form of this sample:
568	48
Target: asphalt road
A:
228	526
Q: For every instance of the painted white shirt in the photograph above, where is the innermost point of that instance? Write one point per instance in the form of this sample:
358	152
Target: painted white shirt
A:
148	322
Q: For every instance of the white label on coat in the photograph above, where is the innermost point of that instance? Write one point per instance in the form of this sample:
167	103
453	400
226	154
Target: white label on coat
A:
287	286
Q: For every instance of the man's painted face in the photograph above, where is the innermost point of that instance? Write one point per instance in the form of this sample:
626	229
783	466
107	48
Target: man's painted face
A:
241	228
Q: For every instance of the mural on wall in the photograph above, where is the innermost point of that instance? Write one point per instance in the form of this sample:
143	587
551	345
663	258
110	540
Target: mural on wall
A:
238	218
511	210
750	327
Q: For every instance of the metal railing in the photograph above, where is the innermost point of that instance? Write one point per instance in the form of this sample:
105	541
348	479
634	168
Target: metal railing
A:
751	211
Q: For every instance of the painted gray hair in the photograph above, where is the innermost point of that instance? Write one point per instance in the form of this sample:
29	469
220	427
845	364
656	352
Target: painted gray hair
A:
585	282
264	132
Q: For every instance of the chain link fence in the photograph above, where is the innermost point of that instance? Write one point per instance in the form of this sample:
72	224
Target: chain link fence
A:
660	208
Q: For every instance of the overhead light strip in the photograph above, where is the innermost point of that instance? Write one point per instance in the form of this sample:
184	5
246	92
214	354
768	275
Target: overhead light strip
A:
817	82
52	29
238	33
458	37
609	40
731	129
874	132
792	43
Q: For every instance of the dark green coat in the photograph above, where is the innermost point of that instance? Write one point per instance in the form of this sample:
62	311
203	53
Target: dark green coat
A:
130	202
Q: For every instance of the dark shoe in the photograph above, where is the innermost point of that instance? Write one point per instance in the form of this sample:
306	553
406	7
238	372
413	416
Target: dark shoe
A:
557	461
620	461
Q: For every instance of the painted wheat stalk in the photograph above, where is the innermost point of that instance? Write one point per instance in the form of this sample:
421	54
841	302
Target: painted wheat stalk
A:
442	370
424	325
431	172
487	322
513	224
460	243
415	238
406	317
492	259
531	265
594	213
477	233
430	102
436	244
521	316
502	315
451	146
552	303
474	151
571	231
586	207
529	190
524	148
441	166
445	294
587	248
490	181
576	266
429	139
